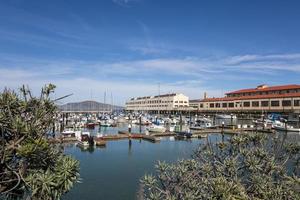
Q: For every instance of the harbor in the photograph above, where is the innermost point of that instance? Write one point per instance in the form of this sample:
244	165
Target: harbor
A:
98	130
120	164
149	100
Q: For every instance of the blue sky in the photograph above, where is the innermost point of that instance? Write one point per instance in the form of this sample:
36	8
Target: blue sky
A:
127	47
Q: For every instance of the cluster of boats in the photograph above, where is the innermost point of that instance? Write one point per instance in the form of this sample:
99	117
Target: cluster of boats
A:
84	139
277	124
156	124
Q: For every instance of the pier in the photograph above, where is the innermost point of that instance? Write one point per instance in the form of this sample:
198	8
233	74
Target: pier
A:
156	137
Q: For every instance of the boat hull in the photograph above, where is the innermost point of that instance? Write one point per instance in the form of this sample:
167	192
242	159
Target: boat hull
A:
297	130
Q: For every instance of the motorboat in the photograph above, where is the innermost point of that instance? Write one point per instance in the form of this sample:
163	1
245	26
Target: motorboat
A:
85	140
224	116
156	128
90	125
158	121
184	134
287	128
68	133
202	124
145	121
266	123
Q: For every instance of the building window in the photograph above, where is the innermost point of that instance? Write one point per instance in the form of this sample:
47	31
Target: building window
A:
296	102
286	103
176	101
274	103
212	105
218	105
246	104
255	103
224	105
237	104
264	103
231	105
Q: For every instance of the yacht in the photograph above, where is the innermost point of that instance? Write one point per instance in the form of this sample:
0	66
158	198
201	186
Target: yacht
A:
156	128
85	140
224	116
287	128
202	124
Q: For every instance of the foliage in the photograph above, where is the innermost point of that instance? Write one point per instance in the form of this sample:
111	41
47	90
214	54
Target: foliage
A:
30	166
243	167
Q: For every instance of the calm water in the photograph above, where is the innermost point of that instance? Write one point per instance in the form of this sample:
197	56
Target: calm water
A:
114	172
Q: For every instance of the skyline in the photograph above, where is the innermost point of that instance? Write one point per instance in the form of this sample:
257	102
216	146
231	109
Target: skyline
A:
127	47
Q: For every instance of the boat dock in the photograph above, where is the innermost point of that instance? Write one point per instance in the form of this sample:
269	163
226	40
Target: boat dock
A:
156	137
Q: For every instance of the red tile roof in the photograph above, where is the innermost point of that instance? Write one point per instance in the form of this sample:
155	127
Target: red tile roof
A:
268	96
272	88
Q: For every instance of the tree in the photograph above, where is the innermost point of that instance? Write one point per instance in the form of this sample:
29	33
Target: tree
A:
244	167
30	166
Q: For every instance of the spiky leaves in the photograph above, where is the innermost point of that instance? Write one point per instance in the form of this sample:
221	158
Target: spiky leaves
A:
30	165
244	167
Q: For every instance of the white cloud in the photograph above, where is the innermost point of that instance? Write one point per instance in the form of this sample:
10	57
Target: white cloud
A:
191	76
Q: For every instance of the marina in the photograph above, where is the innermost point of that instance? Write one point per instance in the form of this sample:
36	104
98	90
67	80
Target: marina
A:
149	100
119	165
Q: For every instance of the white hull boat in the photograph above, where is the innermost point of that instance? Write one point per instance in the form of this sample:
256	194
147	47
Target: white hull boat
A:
223	116
288	128
157	129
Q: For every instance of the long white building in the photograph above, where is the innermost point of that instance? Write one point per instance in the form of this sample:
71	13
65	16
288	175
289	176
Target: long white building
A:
166	102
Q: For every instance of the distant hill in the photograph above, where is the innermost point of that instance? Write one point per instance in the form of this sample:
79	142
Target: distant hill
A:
92	106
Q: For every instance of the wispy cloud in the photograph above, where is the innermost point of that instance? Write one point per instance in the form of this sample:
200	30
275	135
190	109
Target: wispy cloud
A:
189	75
124	3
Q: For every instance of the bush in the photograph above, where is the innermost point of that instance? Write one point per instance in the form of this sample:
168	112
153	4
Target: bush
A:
244	167
30	166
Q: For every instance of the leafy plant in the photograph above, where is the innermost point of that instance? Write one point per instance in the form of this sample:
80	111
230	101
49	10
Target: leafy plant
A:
244	167
31	167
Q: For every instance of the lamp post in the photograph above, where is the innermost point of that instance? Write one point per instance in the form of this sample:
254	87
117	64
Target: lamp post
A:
222	131
263	121
231	123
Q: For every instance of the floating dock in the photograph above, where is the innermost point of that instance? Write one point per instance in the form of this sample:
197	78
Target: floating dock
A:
155	137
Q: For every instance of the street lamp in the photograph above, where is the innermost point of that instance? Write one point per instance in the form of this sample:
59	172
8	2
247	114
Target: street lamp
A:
231	119
263	120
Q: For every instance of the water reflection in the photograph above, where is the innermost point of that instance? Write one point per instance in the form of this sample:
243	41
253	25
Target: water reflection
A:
114	172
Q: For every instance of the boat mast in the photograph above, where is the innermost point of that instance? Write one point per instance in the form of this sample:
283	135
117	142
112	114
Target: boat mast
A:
111	102
105	100
159	103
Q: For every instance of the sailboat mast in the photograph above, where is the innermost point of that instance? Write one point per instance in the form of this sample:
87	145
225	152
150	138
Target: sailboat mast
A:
105	100
111	102
159	103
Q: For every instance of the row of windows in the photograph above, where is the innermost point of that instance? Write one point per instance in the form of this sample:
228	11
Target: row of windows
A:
284	103
181	101
154	102
265	93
